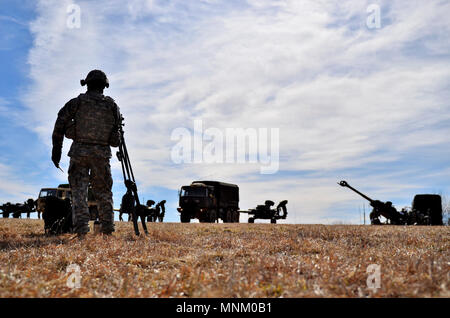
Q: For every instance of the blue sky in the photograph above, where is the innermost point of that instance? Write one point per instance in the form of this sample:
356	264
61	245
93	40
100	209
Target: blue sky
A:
366	105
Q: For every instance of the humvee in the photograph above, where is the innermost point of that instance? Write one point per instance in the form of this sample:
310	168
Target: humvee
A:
63	191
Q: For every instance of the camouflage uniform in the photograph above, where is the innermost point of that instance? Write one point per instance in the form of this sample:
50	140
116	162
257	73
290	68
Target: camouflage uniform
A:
91	120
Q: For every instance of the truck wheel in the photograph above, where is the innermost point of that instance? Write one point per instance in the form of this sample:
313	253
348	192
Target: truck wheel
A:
212	216
227	218
236	215
251	220
273	221
185	218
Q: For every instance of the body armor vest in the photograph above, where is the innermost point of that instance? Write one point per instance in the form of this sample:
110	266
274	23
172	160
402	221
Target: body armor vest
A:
94	119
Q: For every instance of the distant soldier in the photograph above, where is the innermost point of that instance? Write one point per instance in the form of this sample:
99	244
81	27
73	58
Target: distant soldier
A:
128	205
151	213
386	210
394	216
91	120
7	209
29	206
36	209
161	210
16	213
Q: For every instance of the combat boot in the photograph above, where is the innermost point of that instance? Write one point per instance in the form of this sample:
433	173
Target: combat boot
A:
106	229
81	236
78	237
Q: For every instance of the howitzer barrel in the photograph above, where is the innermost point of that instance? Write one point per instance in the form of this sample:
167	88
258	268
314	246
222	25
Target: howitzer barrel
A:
345	184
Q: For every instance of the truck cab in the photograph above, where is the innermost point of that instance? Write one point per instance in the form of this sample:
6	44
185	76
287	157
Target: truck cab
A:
209	201
63	192
195	202
427	209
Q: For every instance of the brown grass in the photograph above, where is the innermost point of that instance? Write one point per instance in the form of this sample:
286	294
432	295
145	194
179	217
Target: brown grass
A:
226	260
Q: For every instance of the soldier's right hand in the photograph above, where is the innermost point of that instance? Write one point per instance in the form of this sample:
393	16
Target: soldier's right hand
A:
56	156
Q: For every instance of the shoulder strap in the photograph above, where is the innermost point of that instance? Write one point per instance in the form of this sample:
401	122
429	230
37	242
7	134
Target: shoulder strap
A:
75	115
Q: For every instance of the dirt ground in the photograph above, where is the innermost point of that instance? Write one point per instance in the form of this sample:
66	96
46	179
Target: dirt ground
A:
226	260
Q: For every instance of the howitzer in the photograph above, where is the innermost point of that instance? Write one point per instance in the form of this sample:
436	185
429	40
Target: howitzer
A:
129	180
6	209
380	208
18	209
265	212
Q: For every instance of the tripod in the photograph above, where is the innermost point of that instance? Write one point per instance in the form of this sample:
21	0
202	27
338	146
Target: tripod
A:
129	181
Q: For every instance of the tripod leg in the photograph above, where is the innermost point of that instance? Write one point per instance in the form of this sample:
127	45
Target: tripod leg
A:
144	226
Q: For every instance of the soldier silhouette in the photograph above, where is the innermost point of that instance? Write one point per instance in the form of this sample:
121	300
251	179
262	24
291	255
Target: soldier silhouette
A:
91	120
162	210
128	205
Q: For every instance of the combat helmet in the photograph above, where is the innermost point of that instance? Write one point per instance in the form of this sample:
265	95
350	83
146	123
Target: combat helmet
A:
95	75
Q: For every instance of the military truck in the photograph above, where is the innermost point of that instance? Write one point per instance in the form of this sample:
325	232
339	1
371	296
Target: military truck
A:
209	201
427	209
63	191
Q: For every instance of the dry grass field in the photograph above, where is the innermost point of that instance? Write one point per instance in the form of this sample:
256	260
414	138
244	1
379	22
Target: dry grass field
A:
226	260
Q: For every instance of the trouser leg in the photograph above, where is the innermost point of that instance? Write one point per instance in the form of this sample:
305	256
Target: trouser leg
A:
101	181
79	182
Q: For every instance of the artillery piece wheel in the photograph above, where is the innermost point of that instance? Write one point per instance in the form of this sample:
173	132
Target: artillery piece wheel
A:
251	220
376	222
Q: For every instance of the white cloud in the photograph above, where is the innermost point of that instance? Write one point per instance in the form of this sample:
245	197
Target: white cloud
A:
342	95
12	188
